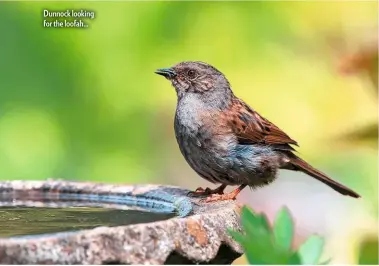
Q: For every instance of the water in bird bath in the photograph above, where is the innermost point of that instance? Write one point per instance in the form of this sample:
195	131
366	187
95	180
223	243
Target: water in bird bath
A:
45	207
22	221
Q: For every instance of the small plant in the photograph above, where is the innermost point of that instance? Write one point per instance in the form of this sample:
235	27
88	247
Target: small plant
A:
368	251
266	245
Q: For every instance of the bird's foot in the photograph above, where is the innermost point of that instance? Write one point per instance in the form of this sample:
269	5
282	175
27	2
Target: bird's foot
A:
218	197
229	196
205	192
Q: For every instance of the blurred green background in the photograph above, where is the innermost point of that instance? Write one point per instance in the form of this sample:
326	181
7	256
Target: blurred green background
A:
85	104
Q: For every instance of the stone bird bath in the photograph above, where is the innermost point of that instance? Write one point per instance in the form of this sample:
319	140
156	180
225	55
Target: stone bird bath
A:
62	222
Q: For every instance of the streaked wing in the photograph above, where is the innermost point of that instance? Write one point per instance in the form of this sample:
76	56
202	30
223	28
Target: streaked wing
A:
251	128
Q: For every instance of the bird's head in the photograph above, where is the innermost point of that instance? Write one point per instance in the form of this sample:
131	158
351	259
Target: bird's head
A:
195	77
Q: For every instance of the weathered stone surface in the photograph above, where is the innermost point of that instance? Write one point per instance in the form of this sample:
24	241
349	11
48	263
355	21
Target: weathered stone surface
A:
200	237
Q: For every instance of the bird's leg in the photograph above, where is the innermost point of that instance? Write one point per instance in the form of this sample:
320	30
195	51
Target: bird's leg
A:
230	196
205	192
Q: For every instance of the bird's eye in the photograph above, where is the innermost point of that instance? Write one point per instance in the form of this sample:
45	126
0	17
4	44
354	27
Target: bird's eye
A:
191	73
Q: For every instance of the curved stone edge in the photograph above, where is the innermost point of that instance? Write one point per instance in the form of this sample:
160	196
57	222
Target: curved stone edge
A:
157	198
197	238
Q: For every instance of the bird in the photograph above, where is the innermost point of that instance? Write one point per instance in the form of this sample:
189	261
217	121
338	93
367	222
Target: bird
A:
227	142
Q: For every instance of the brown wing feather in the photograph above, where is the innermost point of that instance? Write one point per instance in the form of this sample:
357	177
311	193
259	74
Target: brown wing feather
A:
252	128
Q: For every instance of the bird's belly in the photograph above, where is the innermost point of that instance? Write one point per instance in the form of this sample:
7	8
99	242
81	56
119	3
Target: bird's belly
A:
223	161
207	159
253	165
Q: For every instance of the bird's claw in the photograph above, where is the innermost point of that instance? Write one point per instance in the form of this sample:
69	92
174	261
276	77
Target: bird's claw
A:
200	192
218	197
229	196
206	192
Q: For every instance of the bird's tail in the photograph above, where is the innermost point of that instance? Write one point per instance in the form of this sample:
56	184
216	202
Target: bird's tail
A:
303	166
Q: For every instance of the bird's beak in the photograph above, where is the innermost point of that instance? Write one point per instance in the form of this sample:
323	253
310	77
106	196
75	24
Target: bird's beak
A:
166	72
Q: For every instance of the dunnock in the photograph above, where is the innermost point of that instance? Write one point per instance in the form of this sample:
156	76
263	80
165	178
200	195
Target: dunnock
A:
227	142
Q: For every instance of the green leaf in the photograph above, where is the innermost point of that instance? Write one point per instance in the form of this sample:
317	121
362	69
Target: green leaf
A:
310	251
237	236
294	259
266	246
368	252
256	250
283	229
258	243
264	222
254	223
250	218
262	251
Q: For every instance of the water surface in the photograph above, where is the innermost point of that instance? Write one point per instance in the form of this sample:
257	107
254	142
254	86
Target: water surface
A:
21	221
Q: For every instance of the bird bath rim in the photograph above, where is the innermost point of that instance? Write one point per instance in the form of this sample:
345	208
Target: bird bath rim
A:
201	236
